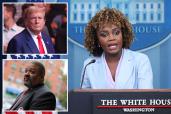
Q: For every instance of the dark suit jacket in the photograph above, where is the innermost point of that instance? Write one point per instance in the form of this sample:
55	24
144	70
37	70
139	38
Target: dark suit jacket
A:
39	98
24	43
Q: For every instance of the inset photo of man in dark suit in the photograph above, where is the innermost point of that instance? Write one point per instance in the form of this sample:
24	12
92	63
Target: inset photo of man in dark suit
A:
36	38
41	92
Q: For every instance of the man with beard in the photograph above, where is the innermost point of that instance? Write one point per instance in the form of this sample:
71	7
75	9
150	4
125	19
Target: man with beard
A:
37	96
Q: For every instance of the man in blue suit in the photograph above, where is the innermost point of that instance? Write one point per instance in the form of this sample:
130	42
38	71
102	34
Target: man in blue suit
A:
32	40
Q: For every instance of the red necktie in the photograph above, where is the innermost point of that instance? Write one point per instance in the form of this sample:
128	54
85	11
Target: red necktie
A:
41	49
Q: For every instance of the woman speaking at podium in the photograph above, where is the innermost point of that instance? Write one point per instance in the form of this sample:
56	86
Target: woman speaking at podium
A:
108	37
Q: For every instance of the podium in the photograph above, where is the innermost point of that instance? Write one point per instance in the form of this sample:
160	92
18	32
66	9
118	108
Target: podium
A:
136	101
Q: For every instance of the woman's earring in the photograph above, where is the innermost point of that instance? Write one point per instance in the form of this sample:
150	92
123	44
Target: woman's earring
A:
99	46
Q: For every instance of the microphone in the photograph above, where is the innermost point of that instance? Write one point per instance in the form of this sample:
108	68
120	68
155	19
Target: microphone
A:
92	61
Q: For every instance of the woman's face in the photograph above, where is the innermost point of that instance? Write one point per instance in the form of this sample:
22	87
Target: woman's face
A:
110	39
